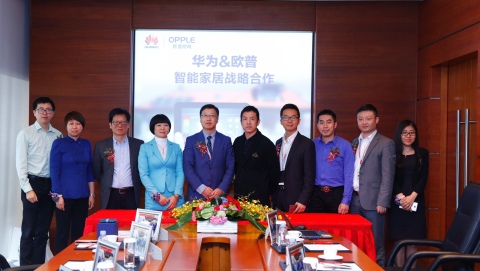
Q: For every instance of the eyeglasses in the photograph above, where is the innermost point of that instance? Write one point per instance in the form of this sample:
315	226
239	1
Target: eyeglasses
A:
408	133
44	110
116	123
208	116
287	118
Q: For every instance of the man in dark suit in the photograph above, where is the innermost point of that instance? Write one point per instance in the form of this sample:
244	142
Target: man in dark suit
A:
373	175
257	168
297	164
115	165
208	160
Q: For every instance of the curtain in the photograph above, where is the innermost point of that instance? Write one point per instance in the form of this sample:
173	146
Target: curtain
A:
14	109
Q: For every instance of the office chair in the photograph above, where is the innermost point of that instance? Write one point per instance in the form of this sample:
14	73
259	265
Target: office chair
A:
5	266
441	260
3	263
23	268
462	237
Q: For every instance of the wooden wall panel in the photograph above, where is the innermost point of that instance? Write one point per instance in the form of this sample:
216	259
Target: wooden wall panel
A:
428	111
80	57
441	18
365	53
449	33
224	15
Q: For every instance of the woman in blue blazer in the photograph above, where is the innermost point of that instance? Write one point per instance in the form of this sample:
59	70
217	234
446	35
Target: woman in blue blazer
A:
161	168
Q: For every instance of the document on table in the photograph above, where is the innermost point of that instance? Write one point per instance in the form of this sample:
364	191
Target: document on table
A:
339	266
86	246
79	265
321	247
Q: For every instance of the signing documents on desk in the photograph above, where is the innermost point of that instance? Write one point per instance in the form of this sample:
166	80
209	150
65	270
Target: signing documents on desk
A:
322	247
324	266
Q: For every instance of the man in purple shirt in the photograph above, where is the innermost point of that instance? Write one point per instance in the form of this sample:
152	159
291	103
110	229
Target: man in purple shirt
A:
334	170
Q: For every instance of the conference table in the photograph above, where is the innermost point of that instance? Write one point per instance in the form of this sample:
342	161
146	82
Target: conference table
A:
182	249
353	227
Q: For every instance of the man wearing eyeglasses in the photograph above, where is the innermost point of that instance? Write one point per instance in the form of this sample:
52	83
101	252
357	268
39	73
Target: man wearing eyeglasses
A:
297	164
33	168
208	160
115	165
373	175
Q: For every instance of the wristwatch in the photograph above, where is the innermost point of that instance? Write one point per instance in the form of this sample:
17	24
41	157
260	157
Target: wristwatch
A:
92	195
177	196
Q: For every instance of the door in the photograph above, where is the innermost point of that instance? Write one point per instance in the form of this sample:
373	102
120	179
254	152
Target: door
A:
461	82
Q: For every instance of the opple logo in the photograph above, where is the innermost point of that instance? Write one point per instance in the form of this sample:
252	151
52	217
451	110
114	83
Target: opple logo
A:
181	40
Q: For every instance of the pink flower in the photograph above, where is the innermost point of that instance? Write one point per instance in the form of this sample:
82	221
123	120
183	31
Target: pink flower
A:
218	220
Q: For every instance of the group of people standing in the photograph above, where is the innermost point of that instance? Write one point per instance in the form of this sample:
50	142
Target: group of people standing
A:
295	174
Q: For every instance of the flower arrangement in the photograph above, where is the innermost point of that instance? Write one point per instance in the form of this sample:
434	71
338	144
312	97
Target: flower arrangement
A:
110	154
219	210
201	147
355	147
334	152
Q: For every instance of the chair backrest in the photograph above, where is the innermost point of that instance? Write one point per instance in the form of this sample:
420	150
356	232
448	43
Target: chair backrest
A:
3	263
464	233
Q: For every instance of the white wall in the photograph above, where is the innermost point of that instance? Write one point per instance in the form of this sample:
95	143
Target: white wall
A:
14	108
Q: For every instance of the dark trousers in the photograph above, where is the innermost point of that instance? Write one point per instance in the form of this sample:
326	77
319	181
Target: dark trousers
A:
378	226
325	202
71	222
278	200
36	222
122	201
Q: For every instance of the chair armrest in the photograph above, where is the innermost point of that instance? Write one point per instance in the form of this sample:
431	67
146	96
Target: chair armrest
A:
473	258
24	268
422	254
407	242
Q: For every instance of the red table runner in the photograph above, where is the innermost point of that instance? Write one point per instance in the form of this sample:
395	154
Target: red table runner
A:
353	227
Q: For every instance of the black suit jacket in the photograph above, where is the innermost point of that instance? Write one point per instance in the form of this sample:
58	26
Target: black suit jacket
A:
299	173
103	169
257	171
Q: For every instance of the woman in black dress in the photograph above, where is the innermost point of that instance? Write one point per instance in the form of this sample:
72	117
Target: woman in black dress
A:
411	173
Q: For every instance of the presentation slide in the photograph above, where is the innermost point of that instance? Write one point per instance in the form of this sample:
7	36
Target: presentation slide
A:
178	71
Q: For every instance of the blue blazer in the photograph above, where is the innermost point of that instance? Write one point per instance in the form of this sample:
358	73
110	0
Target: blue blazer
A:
215	173
158	175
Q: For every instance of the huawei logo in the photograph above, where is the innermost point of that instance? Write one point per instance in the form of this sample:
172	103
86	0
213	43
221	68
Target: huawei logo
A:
151	39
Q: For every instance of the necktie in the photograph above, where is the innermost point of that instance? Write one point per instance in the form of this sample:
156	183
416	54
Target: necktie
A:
209	144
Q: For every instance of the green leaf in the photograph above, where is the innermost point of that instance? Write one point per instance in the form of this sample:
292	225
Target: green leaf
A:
253	221
181	221
206	213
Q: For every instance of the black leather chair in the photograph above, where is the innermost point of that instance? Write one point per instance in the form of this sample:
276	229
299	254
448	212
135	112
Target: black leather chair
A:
447	258
463	236
5	266
3	263
23	268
